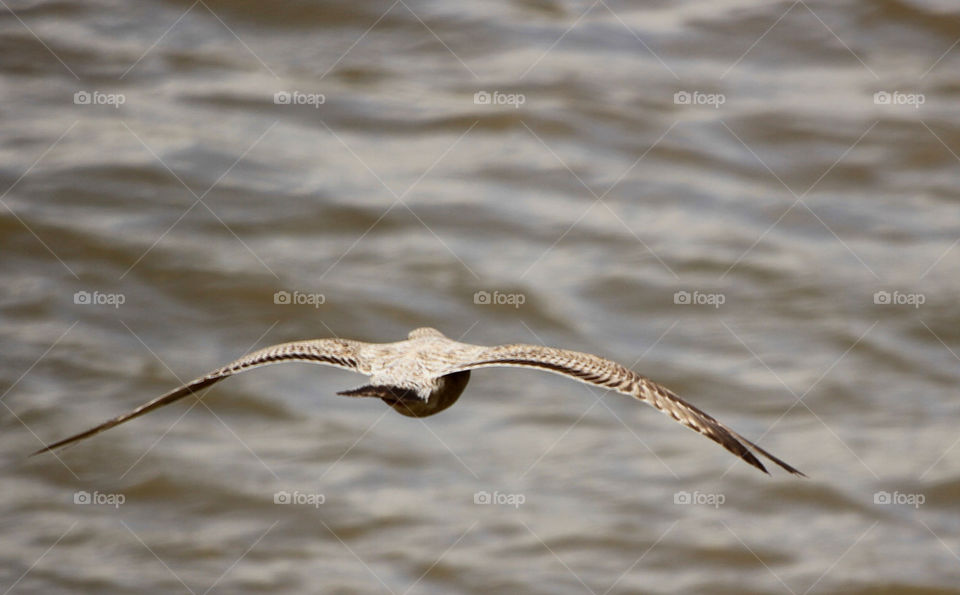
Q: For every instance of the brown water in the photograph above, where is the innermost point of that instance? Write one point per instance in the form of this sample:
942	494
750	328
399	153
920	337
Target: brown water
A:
584	189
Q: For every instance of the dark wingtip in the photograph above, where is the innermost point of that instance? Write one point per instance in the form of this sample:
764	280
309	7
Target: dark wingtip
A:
749	458
785	466
41	451
49	447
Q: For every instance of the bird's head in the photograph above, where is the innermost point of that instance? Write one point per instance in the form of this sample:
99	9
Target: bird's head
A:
425	331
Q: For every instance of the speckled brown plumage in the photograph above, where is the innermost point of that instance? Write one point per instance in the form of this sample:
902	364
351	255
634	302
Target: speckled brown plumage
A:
426	373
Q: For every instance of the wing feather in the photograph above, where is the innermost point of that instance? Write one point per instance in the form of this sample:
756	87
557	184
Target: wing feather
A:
334	352
602	372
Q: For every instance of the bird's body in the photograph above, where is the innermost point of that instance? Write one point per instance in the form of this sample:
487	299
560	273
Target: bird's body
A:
427	372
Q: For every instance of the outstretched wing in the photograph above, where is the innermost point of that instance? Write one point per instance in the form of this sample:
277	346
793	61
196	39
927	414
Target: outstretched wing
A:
335	352
598	371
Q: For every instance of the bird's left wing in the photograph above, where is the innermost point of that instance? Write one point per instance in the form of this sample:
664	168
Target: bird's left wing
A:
341	353
604	373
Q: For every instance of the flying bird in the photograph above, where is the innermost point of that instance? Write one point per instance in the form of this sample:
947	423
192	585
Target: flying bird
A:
427	372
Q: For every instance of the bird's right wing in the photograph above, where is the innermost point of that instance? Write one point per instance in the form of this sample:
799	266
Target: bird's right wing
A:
341	353
598	371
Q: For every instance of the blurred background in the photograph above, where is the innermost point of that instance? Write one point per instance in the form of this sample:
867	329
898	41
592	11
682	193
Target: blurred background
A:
751	202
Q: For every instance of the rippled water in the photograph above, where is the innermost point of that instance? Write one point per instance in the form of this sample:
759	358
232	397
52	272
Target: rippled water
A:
734	151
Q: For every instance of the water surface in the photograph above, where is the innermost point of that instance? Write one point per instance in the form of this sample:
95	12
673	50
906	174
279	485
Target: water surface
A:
630	156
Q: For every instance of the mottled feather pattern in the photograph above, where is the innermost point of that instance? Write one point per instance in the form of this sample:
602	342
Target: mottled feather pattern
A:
598	371
335	352
426	373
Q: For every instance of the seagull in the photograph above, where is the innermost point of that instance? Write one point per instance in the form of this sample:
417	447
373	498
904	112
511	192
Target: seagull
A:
426	373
